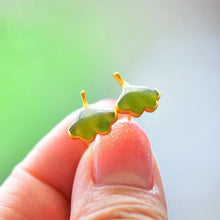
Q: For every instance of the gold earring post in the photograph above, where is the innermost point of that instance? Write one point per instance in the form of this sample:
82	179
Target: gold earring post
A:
84	100
119	79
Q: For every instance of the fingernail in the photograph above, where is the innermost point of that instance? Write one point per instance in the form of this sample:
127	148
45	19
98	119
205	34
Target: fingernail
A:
123	157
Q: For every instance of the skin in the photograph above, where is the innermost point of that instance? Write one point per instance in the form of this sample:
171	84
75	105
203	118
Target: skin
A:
57	180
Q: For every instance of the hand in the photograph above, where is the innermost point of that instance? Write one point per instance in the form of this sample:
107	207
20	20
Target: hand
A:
116	178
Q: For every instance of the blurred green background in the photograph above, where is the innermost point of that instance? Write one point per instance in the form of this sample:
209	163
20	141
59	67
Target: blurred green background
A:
51	50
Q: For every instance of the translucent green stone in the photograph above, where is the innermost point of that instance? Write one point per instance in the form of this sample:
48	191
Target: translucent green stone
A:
137	99
92	121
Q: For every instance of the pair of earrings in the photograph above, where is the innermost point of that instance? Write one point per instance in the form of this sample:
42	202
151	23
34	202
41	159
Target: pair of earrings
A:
134	100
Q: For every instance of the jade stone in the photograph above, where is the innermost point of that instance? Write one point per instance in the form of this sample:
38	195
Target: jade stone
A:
134	100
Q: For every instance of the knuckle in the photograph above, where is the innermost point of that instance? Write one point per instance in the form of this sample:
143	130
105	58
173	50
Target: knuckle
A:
122	205
127	211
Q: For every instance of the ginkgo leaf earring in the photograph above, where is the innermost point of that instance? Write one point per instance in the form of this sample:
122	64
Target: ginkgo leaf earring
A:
135	99
91	121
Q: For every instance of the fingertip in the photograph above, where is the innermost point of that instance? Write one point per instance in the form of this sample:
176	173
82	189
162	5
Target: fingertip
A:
123	157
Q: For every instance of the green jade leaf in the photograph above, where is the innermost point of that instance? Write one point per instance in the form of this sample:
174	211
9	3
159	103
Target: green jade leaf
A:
134	100
91	121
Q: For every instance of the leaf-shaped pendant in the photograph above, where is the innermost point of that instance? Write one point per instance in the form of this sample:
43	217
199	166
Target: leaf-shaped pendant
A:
91	121
135	99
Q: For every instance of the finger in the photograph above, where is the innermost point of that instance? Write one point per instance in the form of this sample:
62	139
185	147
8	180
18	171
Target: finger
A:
56	156
40	186
24	197
118	177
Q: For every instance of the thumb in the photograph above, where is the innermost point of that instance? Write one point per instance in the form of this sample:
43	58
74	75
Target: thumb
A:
118	178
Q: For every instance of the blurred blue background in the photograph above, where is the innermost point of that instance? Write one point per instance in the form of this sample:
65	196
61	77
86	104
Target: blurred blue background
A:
51	50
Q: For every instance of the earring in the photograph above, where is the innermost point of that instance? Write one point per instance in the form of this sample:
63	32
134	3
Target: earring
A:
91	121
134	100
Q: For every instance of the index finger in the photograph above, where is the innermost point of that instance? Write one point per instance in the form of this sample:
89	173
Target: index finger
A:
55	158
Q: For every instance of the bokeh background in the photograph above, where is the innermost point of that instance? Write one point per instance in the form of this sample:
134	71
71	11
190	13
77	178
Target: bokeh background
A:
51	50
